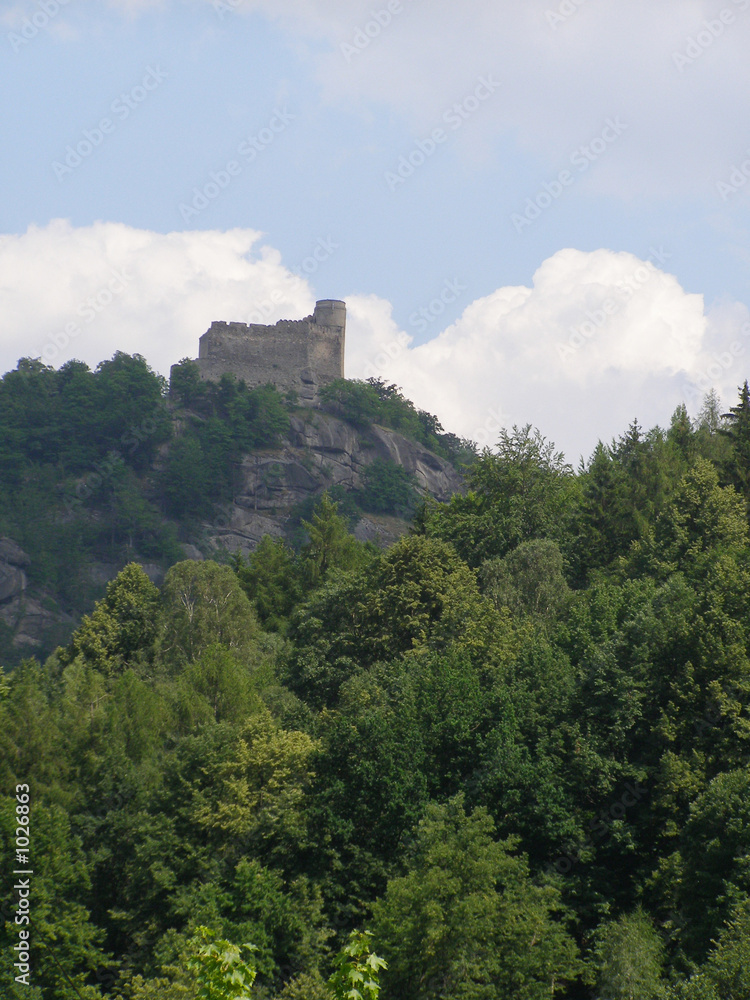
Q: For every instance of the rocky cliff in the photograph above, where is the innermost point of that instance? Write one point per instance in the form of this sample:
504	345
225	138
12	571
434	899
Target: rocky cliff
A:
28	617
322	451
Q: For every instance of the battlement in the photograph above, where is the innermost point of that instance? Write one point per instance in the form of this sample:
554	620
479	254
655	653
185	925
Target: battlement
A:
299	355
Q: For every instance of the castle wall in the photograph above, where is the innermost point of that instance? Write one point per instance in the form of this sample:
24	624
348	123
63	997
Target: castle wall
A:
293	354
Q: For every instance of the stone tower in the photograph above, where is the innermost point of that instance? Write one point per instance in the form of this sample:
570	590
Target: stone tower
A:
299	355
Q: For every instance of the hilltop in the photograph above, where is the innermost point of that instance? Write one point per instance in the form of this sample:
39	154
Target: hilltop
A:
101	468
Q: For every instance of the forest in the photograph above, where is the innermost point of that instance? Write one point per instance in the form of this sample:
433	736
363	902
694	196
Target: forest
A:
115	465
506	758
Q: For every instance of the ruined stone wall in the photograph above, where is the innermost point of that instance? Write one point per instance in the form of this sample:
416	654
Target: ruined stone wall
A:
293	354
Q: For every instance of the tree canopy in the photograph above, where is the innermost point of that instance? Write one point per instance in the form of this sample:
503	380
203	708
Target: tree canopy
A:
506	756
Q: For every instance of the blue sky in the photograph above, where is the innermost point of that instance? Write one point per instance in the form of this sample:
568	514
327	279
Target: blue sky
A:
536	211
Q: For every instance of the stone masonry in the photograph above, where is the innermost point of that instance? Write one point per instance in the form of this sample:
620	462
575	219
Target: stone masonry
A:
300	355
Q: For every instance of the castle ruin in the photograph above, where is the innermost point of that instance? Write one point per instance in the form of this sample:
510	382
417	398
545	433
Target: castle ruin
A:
300	355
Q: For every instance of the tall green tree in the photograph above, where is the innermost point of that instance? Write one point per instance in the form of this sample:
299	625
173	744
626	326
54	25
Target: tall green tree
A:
258	791
630	959
123	625
714	851
521	491
417	595
529	579
467	921
702	522
204	604
737	430
271	579
725	975
330	545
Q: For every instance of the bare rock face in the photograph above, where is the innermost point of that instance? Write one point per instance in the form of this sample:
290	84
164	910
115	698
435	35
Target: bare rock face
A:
193	552
380	529
12	577
34	617
325	433
323	451
435	475
246	528
25	614
12	553
32	622
12	582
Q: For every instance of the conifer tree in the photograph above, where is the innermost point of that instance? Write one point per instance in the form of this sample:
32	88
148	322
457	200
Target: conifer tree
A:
737	468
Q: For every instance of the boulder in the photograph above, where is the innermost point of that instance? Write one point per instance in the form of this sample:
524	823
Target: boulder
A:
11	552
154	572
323	432
12	582
32	623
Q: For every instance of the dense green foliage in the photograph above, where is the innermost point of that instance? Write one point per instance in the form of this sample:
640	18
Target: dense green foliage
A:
226	420
389	488
74	446
377	402
510	755
111	465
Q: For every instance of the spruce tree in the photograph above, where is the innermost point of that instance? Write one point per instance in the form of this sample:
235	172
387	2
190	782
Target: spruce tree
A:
737	467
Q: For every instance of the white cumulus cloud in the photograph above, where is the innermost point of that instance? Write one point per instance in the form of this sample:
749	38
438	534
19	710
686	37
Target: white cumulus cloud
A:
86	292
597	339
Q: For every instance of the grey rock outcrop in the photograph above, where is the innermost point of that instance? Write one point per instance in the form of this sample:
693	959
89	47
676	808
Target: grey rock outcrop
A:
323	451
28	617
33	623
12	576
192	552
12	553
12	582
